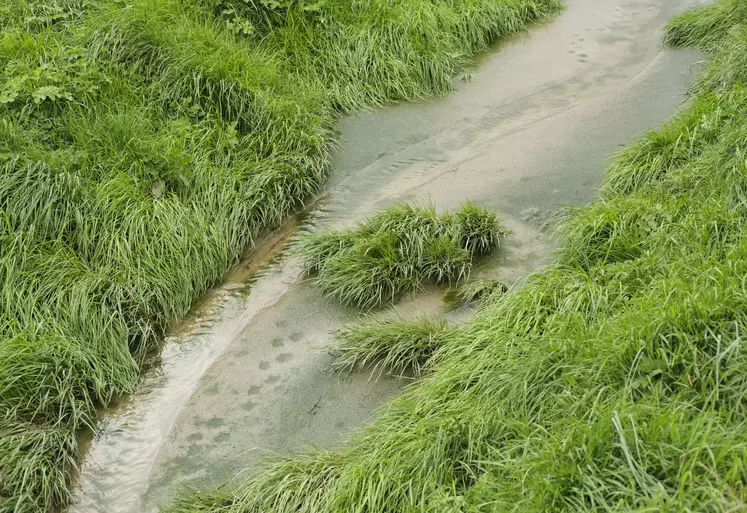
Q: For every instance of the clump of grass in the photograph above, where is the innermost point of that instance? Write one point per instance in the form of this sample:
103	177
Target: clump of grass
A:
389	345
707	26
49	380
37	461
612	380
398	249
475	292
728	64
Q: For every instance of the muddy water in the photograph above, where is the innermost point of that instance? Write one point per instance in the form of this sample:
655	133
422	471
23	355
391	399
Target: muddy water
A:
243	375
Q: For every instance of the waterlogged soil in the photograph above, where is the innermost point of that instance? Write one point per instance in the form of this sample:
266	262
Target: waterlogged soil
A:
245	375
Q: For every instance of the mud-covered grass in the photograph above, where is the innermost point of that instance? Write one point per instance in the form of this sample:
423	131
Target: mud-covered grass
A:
391	346
398	249
613	380
142	148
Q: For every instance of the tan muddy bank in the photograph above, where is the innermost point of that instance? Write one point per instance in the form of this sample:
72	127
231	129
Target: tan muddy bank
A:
243	375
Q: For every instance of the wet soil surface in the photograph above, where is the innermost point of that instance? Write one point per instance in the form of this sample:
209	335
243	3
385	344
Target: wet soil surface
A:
528	132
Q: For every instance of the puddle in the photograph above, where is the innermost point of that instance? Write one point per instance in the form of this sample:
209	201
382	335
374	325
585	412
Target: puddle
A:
243	374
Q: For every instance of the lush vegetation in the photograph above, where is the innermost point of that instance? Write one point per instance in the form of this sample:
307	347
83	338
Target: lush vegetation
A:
143	145
614	380
397	249
386	345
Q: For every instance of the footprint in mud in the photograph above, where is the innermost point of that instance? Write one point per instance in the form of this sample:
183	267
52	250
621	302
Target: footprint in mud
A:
264	365
195	450
223	436
284	357
278	342
215	422
295	337
212	390
532	216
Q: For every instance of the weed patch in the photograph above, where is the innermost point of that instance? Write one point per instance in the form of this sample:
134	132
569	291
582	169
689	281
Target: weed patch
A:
389	345
398	249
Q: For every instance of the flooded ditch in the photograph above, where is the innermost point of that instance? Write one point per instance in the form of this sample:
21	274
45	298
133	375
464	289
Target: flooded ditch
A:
243	375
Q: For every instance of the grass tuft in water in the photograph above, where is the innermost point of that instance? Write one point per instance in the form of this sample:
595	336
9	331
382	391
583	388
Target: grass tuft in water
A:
396	250
391	346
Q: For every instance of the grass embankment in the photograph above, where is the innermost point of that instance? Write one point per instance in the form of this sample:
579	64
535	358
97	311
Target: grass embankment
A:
143	145
614	380
397	249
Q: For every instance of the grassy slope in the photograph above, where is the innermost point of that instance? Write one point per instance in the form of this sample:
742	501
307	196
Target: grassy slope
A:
614	380
143	144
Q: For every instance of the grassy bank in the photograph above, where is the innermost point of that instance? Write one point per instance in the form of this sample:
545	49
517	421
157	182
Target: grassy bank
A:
614	380
143	144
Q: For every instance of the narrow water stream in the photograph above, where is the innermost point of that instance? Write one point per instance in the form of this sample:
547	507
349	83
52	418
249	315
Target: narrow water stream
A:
243	375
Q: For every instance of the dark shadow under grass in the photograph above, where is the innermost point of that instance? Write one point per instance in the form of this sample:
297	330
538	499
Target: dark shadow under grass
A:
613	380
396	250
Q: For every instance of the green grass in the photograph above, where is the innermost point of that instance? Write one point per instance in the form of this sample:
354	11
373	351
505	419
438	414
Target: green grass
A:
613	380
393	346
35	460
706	27
144	145
479	291
396	250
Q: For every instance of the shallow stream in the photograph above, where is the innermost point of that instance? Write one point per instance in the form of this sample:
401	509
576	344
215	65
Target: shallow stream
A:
527	132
